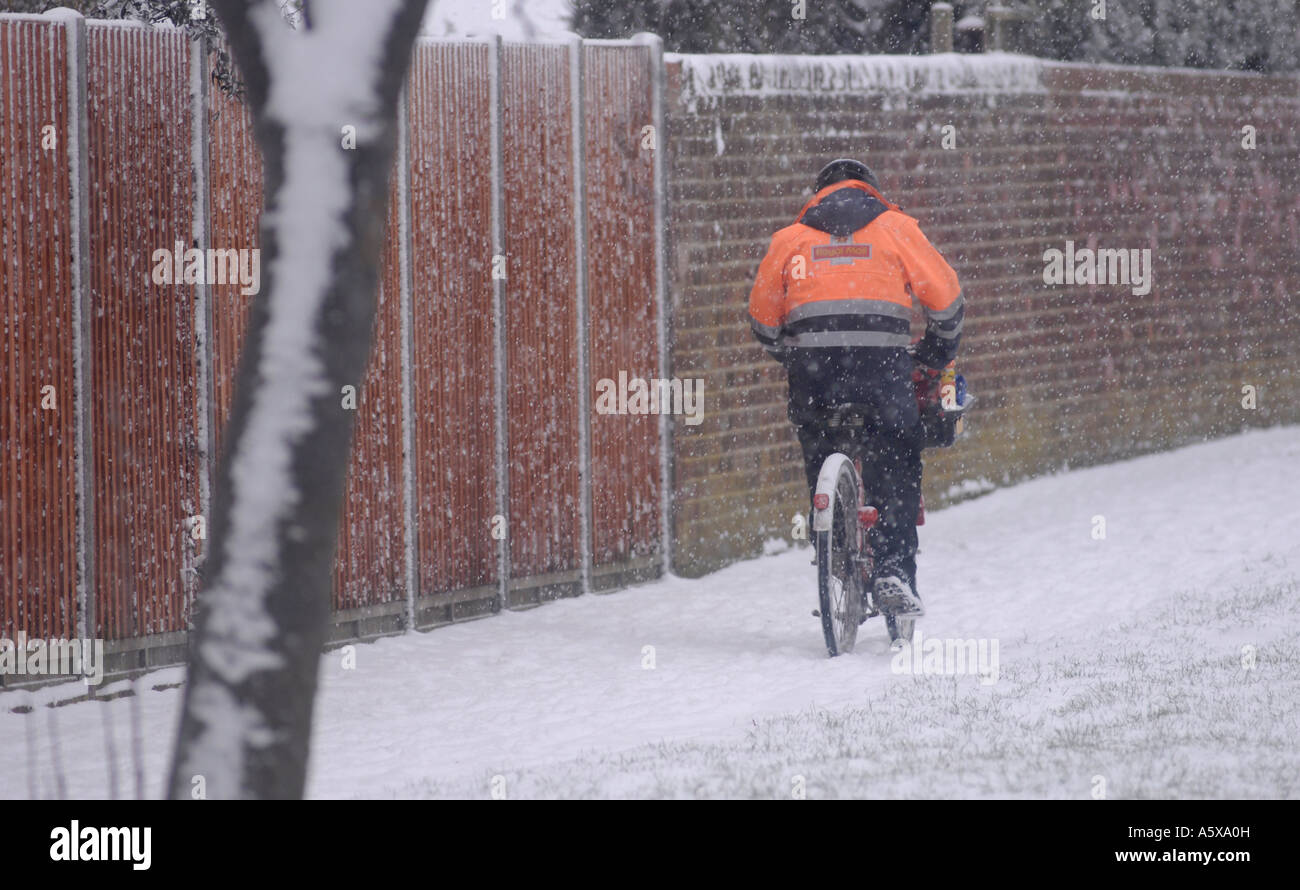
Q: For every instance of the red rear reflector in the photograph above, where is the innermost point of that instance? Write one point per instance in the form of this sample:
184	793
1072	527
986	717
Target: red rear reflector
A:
867	516
821	501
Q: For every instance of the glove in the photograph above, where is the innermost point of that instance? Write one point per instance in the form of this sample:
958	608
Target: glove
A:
779	353
932	352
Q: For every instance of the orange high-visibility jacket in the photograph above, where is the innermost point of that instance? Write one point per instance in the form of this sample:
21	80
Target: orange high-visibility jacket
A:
844	275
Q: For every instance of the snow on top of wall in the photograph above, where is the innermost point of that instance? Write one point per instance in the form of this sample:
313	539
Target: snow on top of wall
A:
1176	69
131	24
710	77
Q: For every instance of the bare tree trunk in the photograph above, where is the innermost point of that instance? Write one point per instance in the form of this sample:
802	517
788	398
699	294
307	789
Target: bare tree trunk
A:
263	609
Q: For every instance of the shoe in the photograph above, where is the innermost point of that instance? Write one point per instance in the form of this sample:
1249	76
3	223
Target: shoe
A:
894	596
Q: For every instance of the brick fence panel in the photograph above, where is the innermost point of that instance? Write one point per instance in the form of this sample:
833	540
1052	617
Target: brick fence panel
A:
540	321
622	319
452	326
143	362
38	561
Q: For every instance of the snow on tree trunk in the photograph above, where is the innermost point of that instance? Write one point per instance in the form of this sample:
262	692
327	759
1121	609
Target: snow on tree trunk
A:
263	610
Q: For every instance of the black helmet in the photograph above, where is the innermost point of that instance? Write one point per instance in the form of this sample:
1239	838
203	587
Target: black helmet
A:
845	168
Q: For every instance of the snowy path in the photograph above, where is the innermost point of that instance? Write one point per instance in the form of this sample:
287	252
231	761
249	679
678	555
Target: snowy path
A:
1120	659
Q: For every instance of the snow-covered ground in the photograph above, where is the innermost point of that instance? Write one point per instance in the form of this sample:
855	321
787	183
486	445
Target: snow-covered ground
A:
1160	661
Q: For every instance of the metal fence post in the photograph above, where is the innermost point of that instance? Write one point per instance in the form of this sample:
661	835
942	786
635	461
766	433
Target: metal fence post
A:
580	286
407	333
204	318
500	377
655	45
79	212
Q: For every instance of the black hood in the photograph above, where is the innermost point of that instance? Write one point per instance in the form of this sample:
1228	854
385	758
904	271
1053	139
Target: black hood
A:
843	212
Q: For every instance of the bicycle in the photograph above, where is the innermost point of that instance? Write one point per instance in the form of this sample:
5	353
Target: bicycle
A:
842	519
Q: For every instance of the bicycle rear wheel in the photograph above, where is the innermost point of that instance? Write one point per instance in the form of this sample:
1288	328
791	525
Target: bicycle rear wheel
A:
836	529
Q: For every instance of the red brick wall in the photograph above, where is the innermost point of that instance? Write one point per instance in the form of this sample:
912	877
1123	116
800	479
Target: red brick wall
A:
1066	375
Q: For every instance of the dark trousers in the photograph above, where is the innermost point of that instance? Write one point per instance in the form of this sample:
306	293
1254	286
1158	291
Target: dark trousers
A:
889	445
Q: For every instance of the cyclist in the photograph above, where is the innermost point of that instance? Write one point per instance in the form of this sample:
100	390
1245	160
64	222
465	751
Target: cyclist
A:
832	302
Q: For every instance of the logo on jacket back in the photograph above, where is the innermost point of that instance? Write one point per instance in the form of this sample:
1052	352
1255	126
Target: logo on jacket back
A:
841	252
